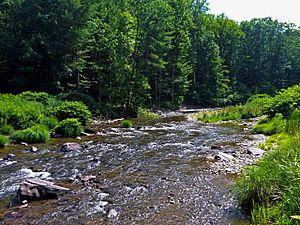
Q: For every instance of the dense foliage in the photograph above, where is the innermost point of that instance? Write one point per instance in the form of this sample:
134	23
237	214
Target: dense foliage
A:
28	116
35	134
69	127
127	54
75	110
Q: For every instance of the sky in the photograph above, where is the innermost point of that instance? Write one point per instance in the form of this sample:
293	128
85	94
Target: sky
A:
239	10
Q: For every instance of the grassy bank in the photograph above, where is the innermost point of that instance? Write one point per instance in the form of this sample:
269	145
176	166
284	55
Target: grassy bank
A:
254	107
270	189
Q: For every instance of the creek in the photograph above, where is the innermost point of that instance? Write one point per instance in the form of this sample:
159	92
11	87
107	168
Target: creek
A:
158	172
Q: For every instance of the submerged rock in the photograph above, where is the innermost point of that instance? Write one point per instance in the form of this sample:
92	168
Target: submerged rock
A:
224	156
255	151
70	146
36	189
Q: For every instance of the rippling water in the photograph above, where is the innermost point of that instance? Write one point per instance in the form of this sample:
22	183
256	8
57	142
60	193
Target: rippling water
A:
156	173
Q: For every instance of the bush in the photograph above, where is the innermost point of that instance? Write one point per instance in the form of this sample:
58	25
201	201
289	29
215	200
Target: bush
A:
270	126
69	128
3	141
76	110
293	123
256	106
35	134
50	122
126	124
78	97
6	129
19	113
147	114
285	102
41	97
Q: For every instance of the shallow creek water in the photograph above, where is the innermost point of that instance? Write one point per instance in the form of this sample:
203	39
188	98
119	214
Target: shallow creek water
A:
155	173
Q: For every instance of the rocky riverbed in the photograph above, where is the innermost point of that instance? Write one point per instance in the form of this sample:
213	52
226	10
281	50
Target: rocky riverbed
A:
169	171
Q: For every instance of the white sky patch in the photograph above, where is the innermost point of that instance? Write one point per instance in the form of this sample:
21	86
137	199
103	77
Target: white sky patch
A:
239	10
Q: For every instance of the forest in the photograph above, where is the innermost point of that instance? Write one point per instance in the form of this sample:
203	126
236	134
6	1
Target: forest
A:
132	53
67	64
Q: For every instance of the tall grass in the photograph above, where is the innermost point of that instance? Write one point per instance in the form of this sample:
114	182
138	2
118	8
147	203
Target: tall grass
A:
254	107
35	134
271	188
270	126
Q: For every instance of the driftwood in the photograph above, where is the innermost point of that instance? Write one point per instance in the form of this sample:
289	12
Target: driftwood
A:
36	189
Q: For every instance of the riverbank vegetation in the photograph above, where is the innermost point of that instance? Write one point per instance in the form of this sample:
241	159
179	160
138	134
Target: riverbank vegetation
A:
29	116
271	187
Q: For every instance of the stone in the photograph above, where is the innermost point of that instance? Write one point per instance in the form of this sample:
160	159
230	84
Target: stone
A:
70	146
23	143
255	151
85	179
33	149
216	147
224	156
10	156
36	189
112	213
78	138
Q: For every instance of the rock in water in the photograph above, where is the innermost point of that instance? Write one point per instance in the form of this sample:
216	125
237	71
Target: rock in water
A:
224	156
36	189
256	151
33	149
70	146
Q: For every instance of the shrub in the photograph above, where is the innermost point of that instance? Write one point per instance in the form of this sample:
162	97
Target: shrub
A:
41	97
126	124
35	134
285	102
69	128
20	113
3	141
77	110
77	96
147	114
293	123
270	126
6	129
50	122
256	106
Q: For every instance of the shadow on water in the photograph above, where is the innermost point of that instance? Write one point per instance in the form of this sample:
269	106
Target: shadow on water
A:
155	173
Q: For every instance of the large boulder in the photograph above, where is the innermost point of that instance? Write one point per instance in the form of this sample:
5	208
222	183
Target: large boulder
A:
36	189
70	146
